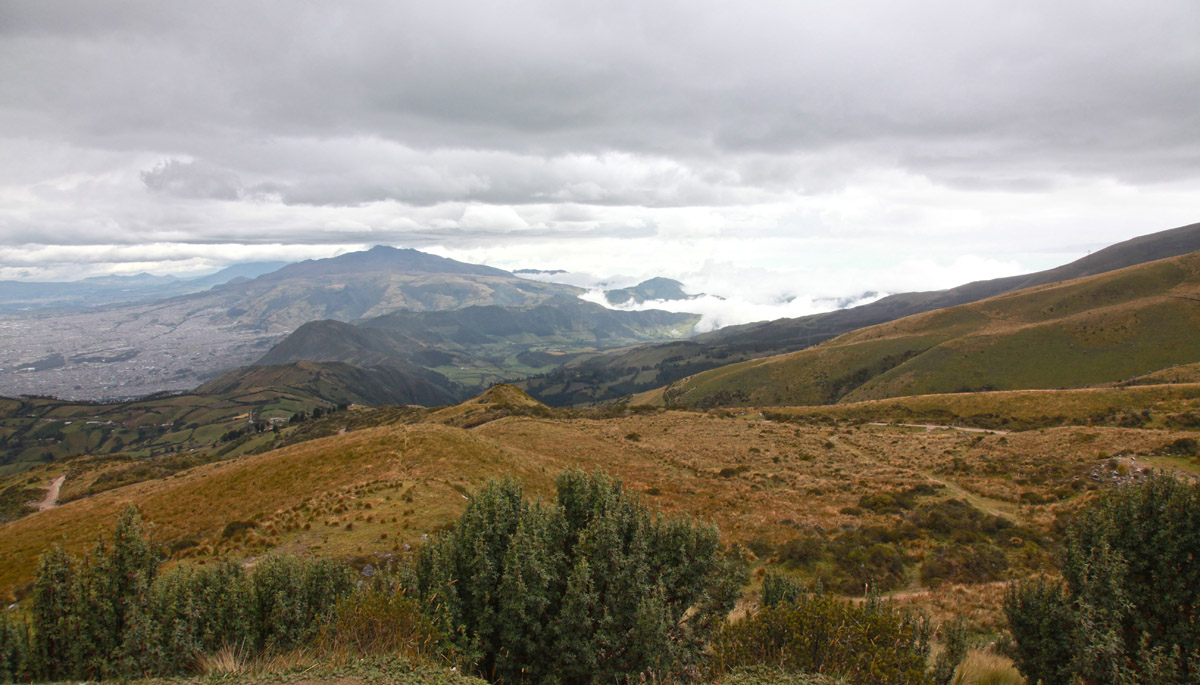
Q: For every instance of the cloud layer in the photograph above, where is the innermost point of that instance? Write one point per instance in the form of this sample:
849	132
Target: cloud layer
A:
851	140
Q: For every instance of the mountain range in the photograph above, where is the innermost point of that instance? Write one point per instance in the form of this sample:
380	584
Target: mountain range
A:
610	377
1087	331
174	344
97	291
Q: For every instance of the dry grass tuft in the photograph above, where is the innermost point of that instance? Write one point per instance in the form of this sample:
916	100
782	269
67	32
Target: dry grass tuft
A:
239	661
984	667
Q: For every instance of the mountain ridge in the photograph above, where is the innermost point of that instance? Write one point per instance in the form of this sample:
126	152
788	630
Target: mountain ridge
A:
1091	330
606	378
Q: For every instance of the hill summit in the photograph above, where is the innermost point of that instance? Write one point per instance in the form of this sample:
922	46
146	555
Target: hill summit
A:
496	402
382	258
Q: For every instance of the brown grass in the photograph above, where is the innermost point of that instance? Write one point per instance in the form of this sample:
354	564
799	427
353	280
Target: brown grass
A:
984	667
376	493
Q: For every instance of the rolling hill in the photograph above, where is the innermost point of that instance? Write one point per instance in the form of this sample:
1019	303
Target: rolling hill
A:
1088	331
794	495
627	372
480	345
341	383
227	416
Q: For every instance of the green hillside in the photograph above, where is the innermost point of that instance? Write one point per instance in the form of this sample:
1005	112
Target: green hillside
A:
622	373
230	415
480	345
1089	331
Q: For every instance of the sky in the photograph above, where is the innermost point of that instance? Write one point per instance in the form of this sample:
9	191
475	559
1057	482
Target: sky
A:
782	155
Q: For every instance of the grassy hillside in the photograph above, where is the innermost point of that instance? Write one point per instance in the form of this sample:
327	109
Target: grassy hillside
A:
618	375
481	345
250	402
1089	331
1170	406
801	496
338	383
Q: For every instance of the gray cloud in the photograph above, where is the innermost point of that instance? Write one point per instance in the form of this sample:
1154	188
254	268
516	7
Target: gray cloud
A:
1060	85
192	180
272	122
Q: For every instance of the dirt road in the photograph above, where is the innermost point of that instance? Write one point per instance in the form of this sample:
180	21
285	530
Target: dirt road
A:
51	498
934	426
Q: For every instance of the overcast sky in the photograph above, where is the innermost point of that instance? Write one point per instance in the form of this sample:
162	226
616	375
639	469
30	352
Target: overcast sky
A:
761	150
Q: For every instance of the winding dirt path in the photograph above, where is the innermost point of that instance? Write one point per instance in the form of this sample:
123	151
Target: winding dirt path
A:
936	426
51	498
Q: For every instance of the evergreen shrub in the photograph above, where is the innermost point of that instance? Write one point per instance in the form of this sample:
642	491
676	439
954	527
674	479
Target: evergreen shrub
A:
112	615
1128	607
798	631
589	588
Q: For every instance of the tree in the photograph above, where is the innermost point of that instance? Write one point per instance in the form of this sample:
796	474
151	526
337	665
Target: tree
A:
592	588
81	611
1128	608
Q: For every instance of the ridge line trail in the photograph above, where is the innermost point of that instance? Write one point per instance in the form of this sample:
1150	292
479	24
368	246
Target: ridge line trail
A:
987	504
914	593
938	426
51	498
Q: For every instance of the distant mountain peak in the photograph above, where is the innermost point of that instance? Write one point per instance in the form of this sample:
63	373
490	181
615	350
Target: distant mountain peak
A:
383	258
657	288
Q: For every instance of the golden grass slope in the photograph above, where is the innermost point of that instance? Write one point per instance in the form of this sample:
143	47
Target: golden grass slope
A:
1175	406
379	491
1089	331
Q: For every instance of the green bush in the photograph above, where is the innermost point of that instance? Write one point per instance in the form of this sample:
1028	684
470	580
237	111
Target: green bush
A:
954	651
780	589
762	675
88	615
954	563
593	588
1127	609
111	615
289	597
870	642
14	649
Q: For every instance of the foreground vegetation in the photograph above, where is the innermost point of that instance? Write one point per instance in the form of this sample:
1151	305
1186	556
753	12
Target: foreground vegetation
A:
592	588
1126	610
944	519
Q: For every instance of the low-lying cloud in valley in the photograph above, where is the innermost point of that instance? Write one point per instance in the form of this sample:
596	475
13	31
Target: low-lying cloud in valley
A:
725	294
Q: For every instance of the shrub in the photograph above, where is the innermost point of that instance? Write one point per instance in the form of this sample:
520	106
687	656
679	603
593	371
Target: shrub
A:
14	649
1187	447
955	563
762	675
872	642
780	589
1126	610
88	616
593	588
234	528
376	621
112	615
954	638
289	596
